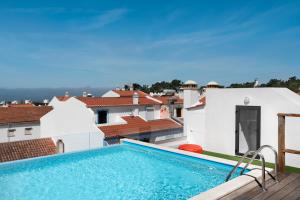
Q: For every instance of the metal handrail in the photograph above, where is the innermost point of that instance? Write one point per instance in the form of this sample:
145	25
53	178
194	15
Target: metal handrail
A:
263	184
254	155
257	153
238	164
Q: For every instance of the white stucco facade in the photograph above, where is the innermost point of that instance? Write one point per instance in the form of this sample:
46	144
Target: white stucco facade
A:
115	113
20	131
213	125
73	123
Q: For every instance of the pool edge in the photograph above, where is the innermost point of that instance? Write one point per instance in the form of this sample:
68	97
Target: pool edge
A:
220	190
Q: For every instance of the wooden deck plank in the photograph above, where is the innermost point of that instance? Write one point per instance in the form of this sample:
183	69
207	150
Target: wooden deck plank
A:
276	187
295	195
249	190
287	188
285	191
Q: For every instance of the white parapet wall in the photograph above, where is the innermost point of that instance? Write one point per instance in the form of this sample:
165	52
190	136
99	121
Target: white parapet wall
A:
72	122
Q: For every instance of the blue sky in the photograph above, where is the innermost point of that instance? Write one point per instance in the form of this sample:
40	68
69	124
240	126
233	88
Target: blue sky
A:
108	43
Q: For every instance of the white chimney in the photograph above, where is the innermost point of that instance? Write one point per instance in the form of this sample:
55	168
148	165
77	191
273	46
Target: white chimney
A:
66	94
84	94
45	101
190	93
135	98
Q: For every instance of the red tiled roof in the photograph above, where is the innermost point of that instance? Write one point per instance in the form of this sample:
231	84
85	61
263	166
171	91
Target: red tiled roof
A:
22	114
10	151
137	125
63	98
129	93
21	105
165	99
115	101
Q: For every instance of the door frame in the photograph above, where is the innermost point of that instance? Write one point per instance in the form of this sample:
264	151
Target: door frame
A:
237	115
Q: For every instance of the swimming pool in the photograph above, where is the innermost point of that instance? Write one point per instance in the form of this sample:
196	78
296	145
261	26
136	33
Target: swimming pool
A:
126	171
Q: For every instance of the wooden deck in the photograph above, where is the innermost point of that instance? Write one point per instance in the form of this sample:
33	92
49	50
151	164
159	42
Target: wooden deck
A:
288	188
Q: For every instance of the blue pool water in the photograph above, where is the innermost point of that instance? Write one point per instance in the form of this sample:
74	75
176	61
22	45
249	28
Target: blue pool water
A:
124	171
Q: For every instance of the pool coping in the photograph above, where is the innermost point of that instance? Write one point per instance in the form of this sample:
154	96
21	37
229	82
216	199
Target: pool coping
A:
212	194
220	190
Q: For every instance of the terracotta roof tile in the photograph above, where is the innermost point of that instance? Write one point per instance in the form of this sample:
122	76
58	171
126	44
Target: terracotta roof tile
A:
129	93
115	101
63	98
22	114
165	99
10	151
137	125
21	105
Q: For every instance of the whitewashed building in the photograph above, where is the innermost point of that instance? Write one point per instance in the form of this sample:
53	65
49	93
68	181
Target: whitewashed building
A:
21	122
84	122
234	120
72	124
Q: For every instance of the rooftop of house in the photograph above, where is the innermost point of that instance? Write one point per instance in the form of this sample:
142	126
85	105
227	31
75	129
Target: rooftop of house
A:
21	105
10	151
165	99
116	101
136	125
129	93
200	103
124	98
63	98
31	114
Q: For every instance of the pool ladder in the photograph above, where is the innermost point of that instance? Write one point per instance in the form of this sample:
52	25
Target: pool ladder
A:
263	169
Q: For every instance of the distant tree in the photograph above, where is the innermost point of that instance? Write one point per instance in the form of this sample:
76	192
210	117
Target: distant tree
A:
176	84
293	83
242	85
126	87
136	86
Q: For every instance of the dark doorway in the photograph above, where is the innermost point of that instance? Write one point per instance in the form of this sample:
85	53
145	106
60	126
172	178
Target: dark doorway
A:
102	117
247	129
178	112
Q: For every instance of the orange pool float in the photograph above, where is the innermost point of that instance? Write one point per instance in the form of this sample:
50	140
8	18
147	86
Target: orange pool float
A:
191	147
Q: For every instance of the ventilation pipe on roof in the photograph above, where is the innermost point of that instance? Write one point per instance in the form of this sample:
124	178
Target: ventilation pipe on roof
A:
135	98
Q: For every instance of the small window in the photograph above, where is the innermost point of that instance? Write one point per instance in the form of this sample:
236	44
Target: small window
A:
11	132
102	117
150	113
28	131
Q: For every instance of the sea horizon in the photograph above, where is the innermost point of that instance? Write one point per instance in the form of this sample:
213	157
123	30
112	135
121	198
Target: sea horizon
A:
39	94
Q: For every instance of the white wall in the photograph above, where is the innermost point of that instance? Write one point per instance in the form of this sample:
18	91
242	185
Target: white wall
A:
110	94
73	122
191	96
19	132
219	119
115	113
195	128
80	141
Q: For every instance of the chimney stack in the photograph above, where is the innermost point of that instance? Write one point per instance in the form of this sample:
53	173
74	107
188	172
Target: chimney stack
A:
135	98
190	93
